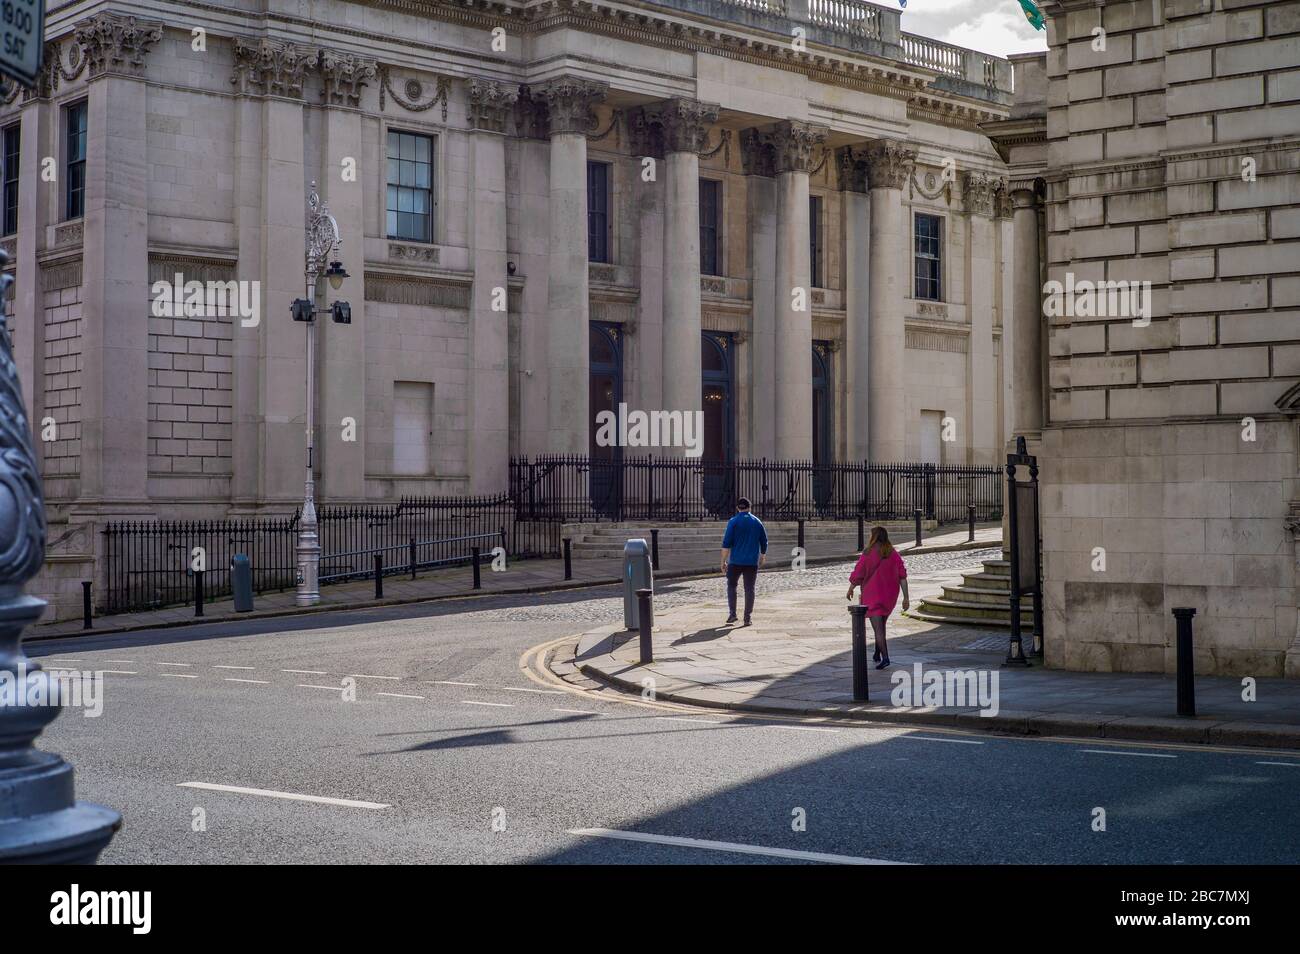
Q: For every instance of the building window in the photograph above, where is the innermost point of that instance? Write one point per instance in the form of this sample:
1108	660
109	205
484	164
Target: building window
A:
929	262
9	156
710	222
74	145
410	187
598	211
815	240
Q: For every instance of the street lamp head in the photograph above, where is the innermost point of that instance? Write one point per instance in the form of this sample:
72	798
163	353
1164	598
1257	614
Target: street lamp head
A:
336	273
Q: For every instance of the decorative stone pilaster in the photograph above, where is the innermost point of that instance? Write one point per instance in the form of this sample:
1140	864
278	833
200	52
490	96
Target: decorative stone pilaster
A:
645	133
272	67
889	165
531	121
569	103
344	76
117	44
1003	207
490	103
794	145
977	192
852	164
757	153
685	124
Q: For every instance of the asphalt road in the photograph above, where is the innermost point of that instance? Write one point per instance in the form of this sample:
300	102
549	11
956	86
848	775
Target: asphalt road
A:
457	755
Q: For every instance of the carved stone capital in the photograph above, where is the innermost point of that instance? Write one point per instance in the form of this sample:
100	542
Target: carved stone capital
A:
569	103
757	153
794	144
889	165
116	44
1002	203
344	76
852	162
490	103
645	133
272	67
977	192
685	124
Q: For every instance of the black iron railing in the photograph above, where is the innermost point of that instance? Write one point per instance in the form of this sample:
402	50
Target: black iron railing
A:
577	488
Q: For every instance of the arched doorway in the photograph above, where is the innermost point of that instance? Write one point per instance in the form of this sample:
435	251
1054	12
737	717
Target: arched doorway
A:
605	394
823	435
716	351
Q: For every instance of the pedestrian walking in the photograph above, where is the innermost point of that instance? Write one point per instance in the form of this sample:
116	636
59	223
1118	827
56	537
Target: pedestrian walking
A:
881	574
744	550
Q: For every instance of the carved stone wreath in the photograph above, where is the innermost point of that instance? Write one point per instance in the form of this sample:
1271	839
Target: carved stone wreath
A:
414	90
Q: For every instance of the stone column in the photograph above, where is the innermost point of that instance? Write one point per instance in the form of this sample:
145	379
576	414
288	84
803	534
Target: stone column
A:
569	104
889	165
115	262
685	131
795	154
489	435
980	194
1027	318
645	348
761	187
857	303
342	366
36	135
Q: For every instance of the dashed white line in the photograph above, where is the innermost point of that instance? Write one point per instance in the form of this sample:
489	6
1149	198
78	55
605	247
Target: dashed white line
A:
1287	764
549	692
255	682
683	719
245	668
128	662
930	738
361	675
729	846
581	711
303	685
797	728
398	695
178	665
306	672
1145	755
178	675
499	705
266	793
444	682
119	672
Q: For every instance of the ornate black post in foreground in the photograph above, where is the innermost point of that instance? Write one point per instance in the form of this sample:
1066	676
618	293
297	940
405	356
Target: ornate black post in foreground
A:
40	820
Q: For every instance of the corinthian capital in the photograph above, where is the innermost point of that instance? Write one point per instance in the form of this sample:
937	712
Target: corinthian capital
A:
490	103
116	44
794	142
344	76
889	164
978	193
272	67
686	124
569	103
853	168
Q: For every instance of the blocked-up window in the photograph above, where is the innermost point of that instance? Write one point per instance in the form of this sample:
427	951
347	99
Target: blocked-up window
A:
412	428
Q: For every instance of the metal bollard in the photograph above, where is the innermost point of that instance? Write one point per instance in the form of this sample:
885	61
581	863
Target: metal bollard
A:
198	592
654	549
916	520
645	617
85	604
1186	664
800	543
379	576
970	523
478	581
412	557
859	614
568	560
862	539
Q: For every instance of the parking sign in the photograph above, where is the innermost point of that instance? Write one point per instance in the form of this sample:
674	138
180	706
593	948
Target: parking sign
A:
22	24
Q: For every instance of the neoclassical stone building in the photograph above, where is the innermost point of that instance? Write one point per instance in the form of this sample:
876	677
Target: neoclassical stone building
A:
784	213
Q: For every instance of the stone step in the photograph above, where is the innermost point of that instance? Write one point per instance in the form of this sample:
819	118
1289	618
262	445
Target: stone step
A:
968	610
987	581
978	594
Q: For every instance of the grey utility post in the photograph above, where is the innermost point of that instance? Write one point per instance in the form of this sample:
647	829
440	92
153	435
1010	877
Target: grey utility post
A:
638	574
40	820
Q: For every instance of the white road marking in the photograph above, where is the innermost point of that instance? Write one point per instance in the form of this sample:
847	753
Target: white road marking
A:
303	685
729	846
499	705
443	682
319	799
1145	755
59	661
361	675
235	667
181	665
797	728
256	682
306	672
930	738
178	675
119	672
1287	764
582	711
128	661
549	692
398	695
683	719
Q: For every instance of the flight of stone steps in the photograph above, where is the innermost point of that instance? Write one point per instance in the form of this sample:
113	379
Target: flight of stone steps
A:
983	598
690	545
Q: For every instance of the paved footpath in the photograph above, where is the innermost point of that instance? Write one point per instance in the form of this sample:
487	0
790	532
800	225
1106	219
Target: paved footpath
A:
796	658
520	577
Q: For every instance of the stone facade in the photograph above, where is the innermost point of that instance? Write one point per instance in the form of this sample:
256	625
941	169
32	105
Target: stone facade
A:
1169	447
199	156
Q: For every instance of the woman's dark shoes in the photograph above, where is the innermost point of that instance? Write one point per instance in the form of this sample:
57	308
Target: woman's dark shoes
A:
883	664
731	619
875	657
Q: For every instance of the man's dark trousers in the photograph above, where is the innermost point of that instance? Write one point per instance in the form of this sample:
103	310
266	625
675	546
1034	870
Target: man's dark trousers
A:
750	573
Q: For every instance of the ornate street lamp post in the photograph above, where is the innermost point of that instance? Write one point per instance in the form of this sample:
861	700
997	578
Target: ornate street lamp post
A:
322	240
40	820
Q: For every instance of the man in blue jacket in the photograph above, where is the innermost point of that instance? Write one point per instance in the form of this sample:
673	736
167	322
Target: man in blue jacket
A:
744	550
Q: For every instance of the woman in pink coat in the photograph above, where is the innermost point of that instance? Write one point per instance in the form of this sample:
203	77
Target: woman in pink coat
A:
881	574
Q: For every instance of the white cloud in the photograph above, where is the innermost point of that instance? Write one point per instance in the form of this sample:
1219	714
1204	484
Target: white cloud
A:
990	26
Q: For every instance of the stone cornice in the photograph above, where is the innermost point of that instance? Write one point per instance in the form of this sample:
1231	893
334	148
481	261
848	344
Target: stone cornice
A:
116	44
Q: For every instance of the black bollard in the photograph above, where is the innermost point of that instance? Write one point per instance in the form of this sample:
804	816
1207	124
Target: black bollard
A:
800	543
859	614
568	560
645	617
654	549
198	592
412	557
862	540
85	604
478	581
916	522
970	522
379	576
1186	664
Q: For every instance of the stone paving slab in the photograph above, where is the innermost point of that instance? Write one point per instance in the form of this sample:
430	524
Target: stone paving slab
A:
796	659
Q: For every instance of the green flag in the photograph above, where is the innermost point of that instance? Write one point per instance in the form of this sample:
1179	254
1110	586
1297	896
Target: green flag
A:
1033	14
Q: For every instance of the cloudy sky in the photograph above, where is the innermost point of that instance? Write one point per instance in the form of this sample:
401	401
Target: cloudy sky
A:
992	26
